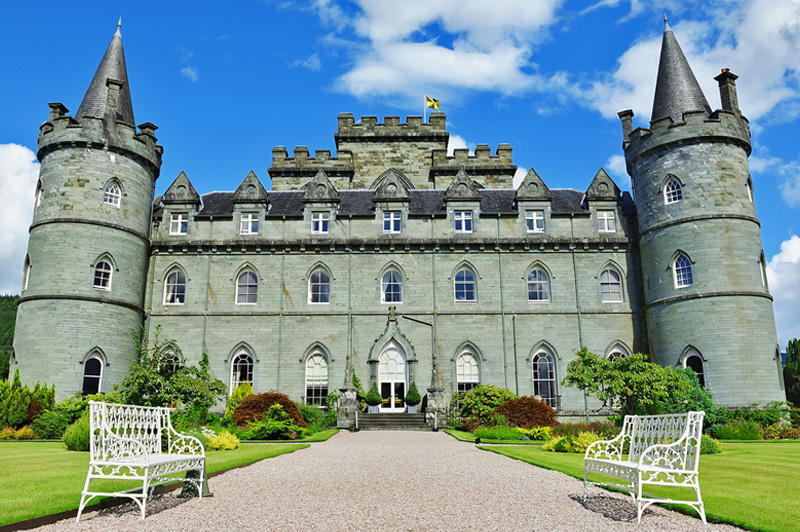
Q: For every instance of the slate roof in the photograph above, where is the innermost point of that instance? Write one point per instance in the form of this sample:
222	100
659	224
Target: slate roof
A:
361	202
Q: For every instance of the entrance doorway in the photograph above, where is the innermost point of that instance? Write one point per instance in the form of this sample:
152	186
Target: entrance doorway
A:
392	379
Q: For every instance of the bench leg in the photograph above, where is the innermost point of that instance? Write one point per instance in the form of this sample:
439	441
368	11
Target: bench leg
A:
585	484
84	500
700	506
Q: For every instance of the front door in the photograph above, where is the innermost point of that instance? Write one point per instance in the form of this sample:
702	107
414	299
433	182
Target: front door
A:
392	379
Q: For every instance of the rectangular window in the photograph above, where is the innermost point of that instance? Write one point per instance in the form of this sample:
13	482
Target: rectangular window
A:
535	221
463	221
391	222
178	223
320	222
606	222
249	223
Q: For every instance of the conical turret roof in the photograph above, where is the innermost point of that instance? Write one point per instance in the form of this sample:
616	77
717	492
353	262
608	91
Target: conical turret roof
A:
677	90
112	66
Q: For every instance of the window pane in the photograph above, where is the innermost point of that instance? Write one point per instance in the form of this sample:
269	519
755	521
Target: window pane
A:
319	287
92	372
683	272
610	286
465	285
391	287
241	370
247	288
544	378
102	276
538	285
175	288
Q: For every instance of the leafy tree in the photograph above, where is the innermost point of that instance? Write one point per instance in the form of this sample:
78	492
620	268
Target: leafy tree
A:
481	401
791	372
160	377
8	316
632	384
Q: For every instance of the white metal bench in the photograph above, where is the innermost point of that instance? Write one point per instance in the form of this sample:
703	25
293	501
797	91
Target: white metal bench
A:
657	450
131	442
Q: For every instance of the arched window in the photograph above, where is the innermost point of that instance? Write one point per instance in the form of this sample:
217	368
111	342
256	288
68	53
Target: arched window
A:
392	287
39	191
613	356
26	274
103	271
467	372
749	187
695	363
610	286
673	192
319	287
247	288
538	285
762	266
316	379
464	285
683	271
92	375
112	194
544	377
241	369
175	288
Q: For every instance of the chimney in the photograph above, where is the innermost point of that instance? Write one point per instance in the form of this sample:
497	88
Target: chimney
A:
727	90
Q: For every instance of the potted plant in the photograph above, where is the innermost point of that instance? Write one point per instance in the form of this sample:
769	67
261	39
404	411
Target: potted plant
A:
373	399
413	398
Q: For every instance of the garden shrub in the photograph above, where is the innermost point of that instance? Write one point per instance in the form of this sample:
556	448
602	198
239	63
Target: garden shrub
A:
256	406
550	445
413	397
790	433
564	445
224	441
373	397
583	441
50	424
275	425
8	433
481	401
76	437
312	414
773	432
604	429
25	433
709	445
740	430
768	414
527	412
19	405
497	433
537	433
245	389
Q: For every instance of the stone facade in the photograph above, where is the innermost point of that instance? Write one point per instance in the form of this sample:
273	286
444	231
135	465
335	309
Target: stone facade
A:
399	261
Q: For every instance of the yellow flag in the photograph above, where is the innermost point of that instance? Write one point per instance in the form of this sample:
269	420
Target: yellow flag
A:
431	103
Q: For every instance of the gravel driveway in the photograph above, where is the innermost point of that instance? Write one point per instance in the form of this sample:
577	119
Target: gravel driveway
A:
389	481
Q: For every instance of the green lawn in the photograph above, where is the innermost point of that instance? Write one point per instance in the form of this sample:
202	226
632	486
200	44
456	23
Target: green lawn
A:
322	435
43	478
462	435
749	484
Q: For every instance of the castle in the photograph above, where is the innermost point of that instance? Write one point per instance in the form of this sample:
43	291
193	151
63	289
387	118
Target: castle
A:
398	260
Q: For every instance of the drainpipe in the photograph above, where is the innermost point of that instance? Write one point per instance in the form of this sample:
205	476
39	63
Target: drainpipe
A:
577	302
349	301
280	312
516	366
503	312
208	281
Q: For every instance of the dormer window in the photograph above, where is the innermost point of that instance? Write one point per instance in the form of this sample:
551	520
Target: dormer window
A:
391	222
462	221
248	223
534	221
606	222
320	222
178	223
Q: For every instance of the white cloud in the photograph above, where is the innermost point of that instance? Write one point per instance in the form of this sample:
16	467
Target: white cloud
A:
519	176
790	187
311	62
783	273
618	172
191	73
459	142
19	173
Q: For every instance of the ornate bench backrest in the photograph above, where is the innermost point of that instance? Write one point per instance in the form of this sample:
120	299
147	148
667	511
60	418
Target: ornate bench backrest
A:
667	429
116	429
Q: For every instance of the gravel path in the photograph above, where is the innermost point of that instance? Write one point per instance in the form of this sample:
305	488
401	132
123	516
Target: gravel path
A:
390	481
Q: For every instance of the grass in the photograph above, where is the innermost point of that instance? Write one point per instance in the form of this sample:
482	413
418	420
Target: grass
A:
748	485
322	435
39	479
462	435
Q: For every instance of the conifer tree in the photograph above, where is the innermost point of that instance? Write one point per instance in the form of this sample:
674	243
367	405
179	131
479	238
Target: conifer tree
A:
791	372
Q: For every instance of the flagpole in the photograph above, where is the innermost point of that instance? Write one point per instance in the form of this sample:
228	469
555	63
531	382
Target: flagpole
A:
424	108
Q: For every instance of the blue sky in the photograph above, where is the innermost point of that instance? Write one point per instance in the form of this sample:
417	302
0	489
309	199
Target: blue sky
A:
227	81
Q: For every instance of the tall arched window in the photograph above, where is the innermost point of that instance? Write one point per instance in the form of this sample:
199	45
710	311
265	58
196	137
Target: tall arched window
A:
762	267
467	372
112	194
683	271
241	369
26	273
172	360
319	287
316	379
538	285
39	192
544	377
103	271
610	286
392	287
673	192
613	356
92	375
464	285
247	288
175	288
695	363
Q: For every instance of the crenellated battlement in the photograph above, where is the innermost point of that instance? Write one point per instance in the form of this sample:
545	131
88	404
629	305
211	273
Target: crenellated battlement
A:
370	129
62	129
321	160
482	157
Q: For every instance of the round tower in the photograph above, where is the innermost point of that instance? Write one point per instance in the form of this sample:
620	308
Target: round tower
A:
706	297
85	272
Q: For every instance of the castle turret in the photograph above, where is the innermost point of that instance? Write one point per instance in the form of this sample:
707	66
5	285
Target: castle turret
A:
86	267
706	297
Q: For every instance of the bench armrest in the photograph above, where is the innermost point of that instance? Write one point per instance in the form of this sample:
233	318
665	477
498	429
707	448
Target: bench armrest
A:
606	449
185	444
671	456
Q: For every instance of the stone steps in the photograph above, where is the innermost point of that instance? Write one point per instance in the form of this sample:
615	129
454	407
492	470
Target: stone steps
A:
392	422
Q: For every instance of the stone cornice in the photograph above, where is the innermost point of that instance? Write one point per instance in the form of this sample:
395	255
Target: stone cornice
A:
61	297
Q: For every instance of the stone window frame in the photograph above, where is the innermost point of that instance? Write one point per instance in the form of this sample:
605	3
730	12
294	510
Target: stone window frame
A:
39	193
394	221
544	370
322	270
463	221
532	217
179	223
112	193
673	190
320	222
103	276
239	285
538	266
26	272
399	280
749	186
607	296
464	382
762	267
316	392
466	268
682	270
606	221
248	223
691	352
617	350
95	355
242	364
171	292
